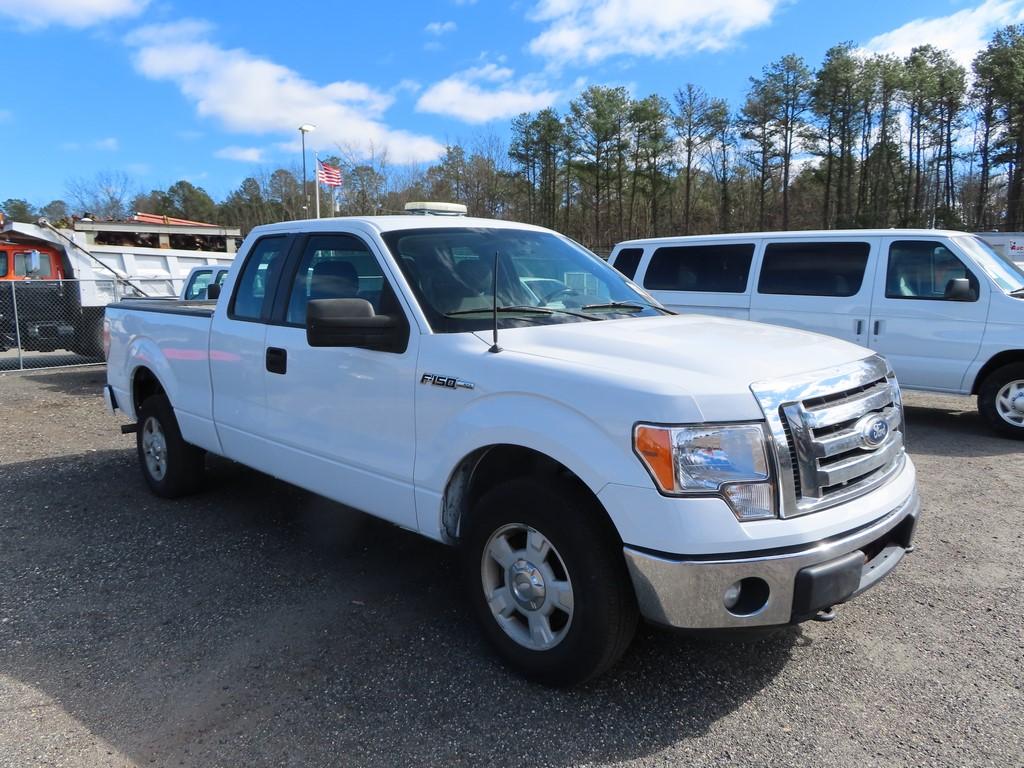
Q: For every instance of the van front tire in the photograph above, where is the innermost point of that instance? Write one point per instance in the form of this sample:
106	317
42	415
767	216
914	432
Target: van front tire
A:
170	466
1001	400
548	581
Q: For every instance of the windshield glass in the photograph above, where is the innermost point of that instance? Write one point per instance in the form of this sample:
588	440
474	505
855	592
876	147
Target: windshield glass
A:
542	279
1000	269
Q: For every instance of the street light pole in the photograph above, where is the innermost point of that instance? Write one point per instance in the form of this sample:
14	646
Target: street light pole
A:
303	130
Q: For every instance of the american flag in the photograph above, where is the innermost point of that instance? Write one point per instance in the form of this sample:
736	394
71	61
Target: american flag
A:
328	175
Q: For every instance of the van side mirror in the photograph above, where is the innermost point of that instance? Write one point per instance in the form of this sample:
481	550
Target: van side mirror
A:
213	291
959	289
34	262
352	323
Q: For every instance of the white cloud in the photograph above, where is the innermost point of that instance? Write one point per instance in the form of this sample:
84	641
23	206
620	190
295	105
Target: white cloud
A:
109	144
72	13
242	154
248	94
589	31
963	33
439	27
485	93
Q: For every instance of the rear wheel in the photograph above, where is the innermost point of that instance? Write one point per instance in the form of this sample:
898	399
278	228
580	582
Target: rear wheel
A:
548	581
1001	400
170	466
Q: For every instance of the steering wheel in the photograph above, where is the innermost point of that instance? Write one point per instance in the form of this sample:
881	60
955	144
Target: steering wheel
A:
560	292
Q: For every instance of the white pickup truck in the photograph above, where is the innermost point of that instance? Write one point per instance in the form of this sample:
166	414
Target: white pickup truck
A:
496	387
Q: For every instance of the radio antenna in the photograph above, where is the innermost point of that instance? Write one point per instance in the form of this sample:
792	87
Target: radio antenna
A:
494	304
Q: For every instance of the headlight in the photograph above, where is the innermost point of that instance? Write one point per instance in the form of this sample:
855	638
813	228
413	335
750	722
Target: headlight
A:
729	460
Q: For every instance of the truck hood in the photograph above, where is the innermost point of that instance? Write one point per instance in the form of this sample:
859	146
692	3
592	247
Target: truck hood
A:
713	360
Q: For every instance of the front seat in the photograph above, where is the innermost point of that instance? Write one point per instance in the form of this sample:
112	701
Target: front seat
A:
334	280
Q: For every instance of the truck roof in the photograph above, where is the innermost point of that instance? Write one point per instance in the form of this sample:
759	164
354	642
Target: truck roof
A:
920	232
391	223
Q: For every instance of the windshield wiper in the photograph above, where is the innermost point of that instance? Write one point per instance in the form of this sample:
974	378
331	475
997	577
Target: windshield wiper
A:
521	309
1017	291
634	305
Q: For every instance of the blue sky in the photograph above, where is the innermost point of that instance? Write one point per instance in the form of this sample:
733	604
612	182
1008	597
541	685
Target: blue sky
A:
170	89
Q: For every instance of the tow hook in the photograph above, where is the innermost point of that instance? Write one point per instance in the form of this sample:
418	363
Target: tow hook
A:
826	614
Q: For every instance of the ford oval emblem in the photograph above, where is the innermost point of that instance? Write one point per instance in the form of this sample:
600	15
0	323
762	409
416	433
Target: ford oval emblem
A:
873	431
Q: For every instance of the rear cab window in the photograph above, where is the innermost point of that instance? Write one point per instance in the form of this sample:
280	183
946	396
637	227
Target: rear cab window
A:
814	268
712	268
197	285
21	263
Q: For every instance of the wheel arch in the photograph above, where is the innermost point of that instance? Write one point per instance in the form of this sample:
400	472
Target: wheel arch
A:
485	467
994	363
144	384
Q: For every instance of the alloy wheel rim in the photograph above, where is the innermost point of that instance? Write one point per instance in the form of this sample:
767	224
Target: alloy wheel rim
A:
527	587
154	448
1010	403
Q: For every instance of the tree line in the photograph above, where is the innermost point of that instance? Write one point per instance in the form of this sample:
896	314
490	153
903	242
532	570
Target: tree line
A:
858	141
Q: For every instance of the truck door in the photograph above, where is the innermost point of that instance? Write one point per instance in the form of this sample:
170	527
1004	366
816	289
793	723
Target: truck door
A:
817	285
929	339
237	352
341	419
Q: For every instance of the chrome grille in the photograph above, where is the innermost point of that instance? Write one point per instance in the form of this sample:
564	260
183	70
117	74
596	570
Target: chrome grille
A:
819	424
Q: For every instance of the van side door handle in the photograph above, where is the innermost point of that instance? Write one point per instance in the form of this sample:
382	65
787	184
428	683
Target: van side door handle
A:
859	325
277	360
878	327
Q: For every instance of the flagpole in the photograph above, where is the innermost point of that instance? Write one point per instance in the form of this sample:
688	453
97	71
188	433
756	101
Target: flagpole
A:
316	164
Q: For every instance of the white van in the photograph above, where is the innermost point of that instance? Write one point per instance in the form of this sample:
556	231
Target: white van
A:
944	308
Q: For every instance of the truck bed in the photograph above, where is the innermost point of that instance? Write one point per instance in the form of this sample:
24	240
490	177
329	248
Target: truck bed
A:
168	306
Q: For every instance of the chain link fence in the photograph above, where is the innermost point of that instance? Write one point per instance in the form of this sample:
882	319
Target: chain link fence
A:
57	323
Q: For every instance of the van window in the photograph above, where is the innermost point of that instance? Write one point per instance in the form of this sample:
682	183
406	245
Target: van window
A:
813	269
921	269
708	268
258	277
628	260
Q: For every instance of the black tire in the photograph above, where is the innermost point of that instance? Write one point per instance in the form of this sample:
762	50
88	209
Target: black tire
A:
88	340
183	464
988	405
604	614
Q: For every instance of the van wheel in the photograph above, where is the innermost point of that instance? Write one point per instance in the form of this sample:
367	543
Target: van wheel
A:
171	466
1001	400
547	581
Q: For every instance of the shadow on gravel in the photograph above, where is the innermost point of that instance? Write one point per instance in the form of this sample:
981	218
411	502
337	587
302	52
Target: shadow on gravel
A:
88	380
938	431
256	624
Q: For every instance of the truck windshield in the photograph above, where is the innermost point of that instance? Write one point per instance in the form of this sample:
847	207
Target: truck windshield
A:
451	272
1000	269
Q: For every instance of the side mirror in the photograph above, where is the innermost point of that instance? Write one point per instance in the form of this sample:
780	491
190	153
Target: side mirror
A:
34	262
959	289
352	323
213	291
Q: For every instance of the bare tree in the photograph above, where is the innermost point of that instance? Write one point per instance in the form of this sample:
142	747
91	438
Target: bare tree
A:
107	195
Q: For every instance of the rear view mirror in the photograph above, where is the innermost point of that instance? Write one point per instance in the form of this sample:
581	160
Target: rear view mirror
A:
959	289
213	291
34	263
352	323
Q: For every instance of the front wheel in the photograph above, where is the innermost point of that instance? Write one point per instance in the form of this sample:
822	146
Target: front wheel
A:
170	466
548	581
1001	400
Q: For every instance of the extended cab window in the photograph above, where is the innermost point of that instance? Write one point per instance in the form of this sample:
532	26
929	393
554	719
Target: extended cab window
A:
335	267
258	275
813	269
628	260
710	268
922	269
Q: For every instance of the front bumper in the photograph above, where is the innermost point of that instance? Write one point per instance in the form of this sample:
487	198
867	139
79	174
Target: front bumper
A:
782	586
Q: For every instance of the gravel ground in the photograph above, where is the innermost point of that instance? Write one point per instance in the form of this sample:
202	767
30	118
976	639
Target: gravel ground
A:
256	624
